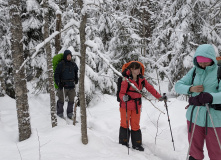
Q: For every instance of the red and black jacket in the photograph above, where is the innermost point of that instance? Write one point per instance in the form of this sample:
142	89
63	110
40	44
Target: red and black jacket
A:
135	98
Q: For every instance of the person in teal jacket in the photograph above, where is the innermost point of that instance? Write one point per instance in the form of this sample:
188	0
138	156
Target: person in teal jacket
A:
204	89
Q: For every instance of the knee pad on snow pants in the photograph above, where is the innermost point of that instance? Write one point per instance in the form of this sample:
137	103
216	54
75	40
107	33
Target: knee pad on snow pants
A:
124	136
136	138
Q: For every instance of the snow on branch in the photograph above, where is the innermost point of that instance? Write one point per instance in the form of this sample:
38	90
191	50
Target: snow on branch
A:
160	67
95	48
41	45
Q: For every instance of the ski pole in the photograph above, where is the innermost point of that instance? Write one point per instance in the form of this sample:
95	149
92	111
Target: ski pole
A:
187	157
142	94
207	107
165	101
75	109
64	105
127	129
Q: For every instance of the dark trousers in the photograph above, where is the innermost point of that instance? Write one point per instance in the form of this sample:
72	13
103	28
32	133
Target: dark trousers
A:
70	93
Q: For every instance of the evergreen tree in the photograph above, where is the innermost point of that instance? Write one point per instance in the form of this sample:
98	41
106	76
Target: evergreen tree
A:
5	52
180	30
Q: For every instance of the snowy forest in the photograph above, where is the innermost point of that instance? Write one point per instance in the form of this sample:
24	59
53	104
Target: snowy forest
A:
102	35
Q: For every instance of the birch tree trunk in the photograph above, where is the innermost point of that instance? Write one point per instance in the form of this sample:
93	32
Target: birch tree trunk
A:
58	37
49	66
82	75
144	38
22	105
1	79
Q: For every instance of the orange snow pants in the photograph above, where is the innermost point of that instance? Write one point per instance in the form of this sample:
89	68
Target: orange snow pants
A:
132	117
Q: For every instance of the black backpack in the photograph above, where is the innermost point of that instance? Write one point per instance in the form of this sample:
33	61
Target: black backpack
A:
119	80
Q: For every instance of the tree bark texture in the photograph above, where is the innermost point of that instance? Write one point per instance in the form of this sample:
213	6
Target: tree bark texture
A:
2	88
82	75
58	37
22	105
49	66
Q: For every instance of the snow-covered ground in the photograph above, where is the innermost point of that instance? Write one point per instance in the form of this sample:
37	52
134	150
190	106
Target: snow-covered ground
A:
64	141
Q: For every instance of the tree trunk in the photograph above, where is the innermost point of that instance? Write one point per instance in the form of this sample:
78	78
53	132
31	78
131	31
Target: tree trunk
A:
144	38
58	37
2	88
22	106
49	66
82	75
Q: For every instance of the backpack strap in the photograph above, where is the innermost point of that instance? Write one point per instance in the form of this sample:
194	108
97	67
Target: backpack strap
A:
63	65
127	86
218	75
193	76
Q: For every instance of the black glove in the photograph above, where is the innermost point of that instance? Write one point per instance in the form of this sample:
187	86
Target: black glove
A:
163	98
60	85
201	99
76	81
78	102
126	98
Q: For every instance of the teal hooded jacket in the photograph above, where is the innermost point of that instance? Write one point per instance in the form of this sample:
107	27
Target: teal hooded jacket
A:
208	78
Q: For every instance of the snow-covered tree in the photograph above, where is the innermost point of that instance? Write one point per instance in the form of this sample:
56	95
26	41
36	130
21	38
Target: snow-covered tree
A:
5	52
32	23
50	79
22	105
181	28
84	137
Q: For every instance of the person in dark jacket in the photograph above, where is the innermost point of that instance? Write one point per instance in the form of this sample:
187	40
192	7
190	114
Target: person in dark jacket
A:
66	77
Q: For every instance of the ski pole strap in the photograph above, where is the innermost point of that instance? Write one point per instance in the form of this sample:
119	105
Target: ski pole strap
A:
191	118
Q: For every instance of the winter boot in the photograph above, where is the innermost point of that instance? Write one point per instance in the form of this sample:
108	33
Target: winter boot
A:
61	115
123	138
60	109
136	138
191	158
70	115
70	110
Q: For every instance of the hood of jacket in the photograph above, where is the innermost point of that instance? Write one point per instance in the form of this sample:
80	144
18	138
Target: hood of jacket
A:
205	50
66	53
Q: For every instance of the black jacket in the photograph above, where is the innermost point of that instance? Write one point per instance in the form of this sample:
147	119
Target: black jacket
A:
66	74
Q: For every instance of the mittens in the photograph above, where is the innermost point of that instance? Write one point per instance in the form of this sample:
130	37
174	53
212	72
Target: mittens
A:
201	99
163	98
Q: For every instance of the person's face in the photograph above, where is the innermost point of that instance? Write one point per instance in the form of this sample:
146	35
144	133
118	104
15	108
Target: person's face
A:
135	72
204	64
69	57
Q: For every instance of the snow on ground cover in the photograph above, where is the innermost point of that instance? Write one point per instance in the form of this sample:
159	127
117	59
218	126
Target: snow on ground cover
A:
64	141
